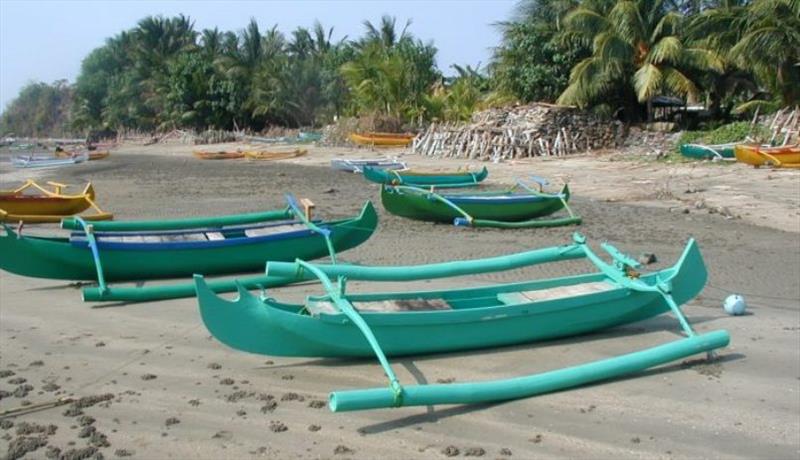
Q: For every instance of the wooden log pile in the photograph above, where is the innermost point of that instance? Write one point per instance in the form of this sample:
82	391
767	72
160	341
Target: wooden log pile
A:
520	132
784	126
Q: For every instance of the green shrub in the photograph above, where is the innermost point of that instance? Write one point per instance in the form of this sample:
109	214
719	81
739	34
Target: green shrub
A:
732	132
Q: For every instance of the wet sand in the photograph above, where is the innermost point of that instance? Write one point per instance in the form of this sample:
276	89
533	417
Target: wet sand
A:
174	392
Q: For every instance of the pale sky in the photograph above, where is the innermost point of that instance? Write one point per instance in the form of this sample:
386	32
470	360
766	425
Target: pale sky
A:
46	40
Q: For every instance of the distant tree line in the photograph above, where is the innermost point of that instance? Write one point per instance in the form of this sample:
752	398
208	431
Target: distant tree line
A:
610	56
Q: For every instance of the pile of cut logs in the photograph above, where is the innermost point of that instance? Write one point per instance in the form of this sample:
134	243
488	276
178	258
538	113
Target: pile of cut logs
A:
518	132
784	126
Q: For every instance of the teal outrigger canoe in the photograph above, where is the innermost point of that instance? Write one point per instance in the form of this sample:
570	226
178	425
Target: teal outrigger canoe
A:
149	250
510	208
341	324
424	178
709	152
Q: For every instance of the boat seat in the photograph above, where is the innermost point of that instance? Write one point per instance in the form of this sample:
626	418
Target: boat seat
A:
315	307
272	230
157	238
558	292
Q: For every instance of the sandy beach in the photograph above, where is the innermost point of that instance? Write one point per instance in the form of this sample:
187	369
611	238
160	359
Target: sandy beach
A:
156	385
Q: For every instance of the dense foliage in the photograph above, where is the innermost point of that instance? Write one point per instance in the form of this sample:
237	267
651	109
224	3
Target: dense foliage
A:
611	56
39	110
732	55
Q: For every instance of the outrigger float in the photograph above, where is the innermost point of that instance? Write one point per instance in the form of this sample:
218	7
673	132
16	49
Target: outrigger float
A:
521	206
147	250
340	324
45	205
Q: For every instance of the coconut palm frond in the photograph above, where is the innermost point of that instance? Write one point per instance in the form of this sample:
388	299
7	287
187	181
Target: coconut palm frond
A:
647	82
668	49
678	83
702	59
628	22
670	24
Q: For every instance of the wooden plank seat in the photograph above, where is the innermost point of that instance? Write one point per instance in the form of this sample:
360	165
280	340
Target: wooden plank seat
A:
315	307
189	236
559	292
272	230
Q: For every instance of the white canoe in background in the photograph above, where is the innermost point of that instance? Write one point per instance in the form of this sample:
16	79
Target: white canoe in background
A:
357	166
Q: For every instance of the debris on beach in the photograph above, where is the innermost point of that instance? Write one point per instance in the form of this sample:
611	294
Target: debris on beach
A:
531	130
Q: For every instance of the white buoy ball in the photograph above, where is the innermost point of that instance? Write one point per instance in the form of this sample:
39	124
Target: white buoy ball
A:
735	305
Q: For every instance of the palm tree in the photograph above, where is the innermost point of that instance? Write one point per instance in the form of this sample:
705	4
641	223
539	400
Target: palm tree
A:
719	28
770	47
385	34
636	49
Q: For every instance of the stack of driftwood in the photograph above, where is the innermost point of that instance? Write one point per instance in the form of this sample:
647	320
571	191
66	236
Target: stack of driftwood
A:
518	132
784	126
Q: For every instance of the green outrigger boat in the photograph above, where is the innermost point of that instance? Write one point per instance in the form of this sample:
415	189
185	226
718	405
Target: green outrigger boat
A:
425	179
148	250
341	324
501	209
709	152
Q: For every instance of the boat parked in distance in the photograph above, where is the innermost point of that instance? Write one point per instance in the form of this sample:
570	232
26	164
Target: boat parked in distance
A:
708	152
219	155
517	207
382	139
425	178
274	154
43	161
787	156
357	166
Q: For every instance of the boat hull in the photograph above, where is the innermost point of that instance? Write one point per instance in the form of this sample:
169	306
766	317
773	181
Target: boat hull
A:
57	258
357	166
267	327
382	140
274	155
508	208
707	152
755	155
47	206
424	179
218	155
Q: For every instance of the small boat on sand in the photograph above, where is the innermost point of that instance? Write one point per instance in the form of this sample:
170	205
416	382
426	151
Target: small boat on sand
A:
219	155
382	139
148	250
339	323
357	166
787	156
47	205
425	178
92	155
520	206
708	152
43	161
275	154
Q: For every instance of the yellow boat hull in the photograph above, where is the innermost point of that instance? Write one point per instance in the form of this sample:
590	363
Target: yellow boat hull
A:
274	155
93	154
47	205
218	155
382	140
783	157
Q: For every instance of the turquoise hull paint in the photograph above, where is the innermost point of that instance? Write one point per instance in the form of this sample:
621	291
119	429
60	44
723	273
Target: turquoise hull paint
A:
477	319
419	179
